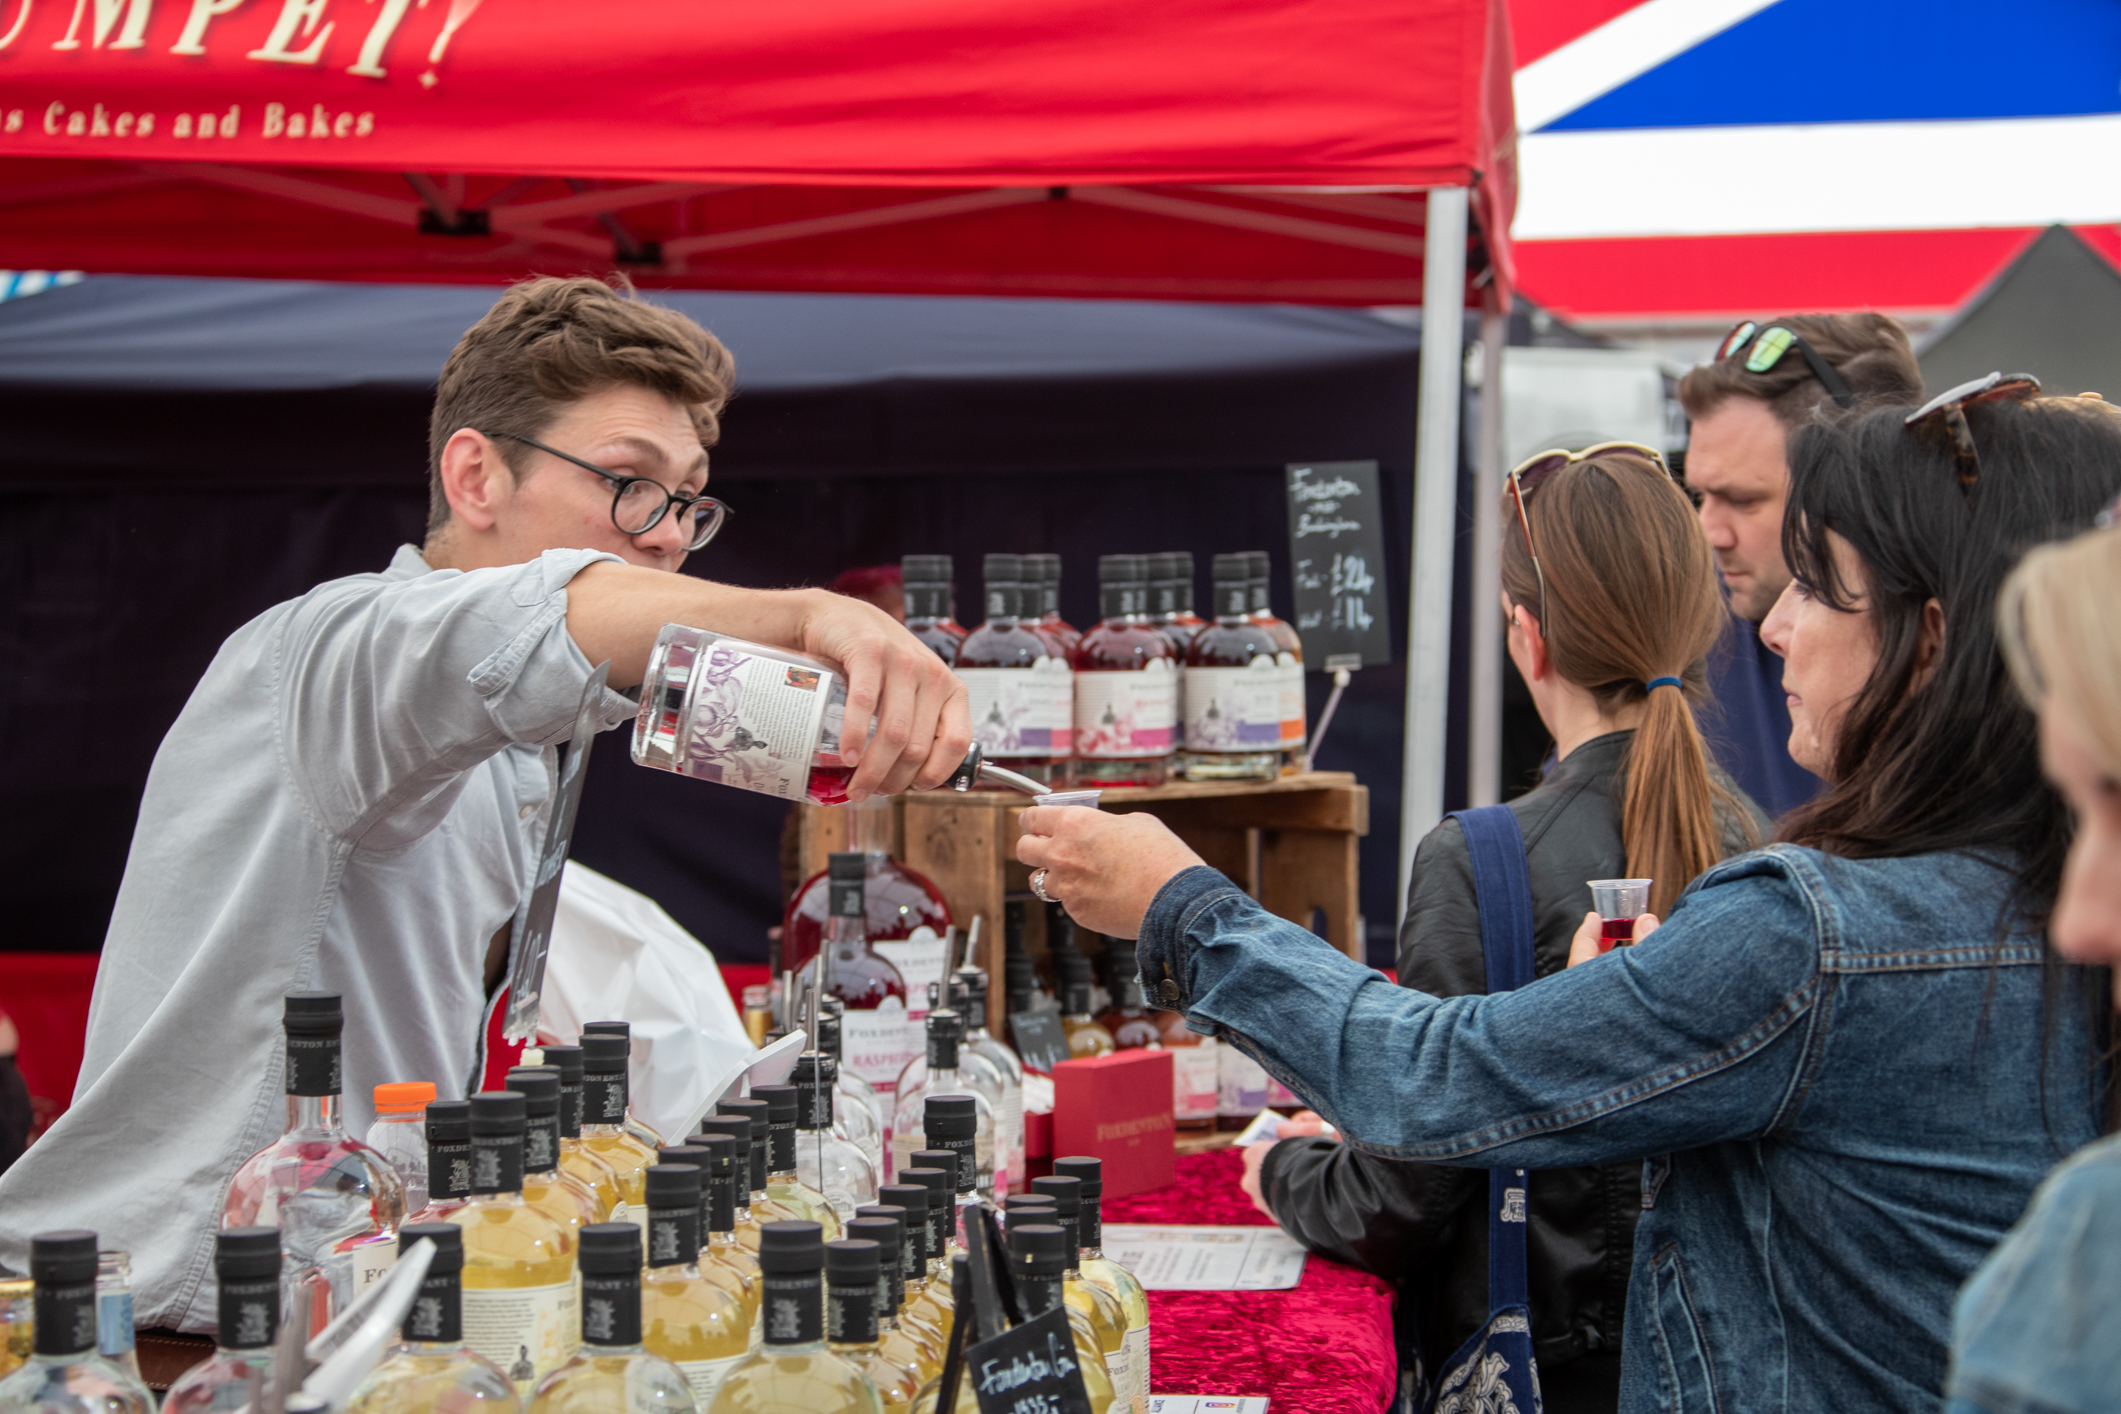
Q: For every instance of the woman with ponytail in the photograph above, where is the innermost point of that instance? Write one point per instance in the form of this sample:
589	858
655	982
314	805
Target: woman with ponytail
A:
1630	599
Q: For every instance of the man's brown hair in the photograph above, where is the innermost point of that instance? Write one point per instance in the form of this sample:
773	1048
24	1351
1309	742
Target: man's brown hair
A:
547	342
1869	351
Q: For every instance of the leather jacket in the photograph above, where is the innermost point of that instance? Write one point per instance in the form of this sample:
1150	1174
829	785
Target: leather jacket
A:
1421	1225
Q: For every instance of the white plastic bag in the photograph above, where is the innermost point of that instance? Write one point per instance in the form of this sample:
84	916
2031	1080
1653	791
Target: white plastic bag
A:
617	956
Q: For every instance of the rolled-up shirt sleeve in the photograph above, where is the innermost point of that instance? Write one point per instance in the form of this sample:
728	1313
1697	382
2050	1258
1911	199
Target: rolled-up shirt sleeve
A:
389	690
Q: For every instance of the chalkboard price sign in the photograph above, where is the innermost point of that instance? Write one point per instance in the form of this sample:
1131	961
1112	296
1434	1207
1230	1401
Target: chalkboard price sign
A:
1040	1042
1337	563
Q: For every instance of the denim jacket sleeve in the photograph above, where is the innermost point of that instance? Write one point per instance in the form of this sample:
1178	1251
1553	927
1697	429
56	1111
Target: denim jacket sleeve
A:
1701	1034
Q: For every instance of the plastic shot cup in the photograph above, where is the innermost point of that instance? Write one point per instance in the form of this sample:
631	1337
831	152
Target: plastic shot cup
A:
1619	903
1072	797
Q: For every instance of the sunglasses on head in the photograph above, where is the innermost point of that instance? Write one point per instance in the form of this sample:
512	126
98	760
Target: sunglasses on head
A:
1770	344
1526	476
1948	409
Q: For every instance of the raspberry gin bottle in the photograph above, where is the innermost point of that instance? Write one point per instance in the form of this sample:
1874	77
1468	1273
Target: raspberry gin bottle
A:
1126	684
1043	574
928	607
1233	686
1022	694
877	1035
1288	656
906	914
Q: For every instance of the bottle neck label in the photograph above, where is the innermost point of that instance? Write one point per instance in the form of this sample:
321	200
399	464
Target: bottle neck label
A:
604	1098
757	1167
1232	601
312	1065
1118	601
1039	1294
448	1171
927	601
66	1318
1091	1219
828	1036
813	1104
1071	1224
673	1236
942	1052
1257	597
541	1145
496	1163
843	898
780	1146
721	1199
967	1151
611	1309
250	1313
437	1314
940	1221
850	1314
793	1308
1164	596
570	1109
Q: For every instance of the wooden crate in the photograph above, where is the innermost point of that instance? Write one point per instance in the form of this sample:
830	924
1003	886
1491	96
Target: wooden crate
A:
1290	843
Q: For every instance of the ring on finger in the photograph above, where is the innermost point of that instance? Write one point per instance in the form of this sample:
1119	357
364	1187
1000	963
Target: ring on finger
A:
1038	886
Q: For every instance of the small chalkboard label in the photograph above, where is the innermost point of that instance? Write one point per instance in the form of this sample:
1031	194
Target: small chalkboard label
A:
1337	562
1040	1042
1029	1369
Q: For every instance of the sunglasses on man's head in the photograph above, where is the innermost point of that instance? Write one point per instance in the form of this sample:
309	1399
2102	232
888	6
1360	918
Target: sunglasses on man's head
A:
1948	410
1767	346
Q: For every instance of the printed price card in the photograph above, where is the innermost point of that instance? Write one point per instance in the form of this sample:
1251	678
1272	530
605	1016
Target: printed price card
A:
1337	562
1206	1258
1207	1404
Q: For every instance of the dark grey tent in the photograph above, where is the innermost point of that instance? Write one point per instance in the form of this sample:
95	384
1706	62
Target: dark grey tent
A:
2054	312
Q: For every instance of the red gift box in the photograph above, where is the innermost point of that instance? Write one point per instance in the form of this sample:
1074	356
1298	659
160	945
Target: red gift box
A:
1118	1108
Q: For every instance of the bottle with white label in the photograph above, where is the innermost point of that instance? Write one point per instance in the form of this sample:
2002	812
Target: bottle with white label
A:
612	1371
1288	656
906	917
1101	1271
520	1301
969	998
337	1202
878	1035
1022	694
854	1291
1233	686
1126	684
688	1319
1196	1074
433	1371
1242	1093
914	1126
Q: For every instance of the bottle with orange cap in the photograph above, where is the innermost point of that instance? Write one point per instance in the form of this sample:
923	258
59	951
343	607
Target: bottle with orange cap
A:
399	1134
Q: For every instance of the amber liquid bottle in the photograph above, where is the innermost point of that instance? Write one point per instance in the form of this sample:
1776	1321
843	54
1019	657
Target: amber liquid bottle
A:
1022	693
1233	686
1126	684
928	604
1288	656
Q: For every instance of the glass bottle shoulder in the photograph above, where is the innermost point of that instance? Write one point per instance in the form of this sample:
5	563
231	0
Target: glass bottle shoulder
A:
219	1384
896	1384
635	1381
997	1055
797	1381
511	1244
73	1384
1005	646
1122	645
416	1380
1123	1285
686	1316
1101	1308
941	635
306	1171
1224	645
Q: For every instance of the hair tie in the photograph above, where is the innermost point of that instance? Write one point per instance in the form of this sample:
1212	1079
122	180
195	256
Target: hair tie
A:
1654	683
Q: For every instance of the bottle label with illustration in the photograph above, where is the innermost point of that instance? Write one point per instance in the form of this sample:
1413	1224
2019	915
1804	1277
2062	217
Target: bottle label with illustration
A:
755	722
706	1376
879	1043
526	1330
922	957
1196	1080
1022	711
1292	700
1234	709
1244	1084
1126	715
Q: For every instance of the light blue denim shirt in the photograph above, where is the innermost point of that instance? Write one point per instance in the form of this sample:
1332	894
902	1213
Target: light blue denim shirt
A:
1833	1072
2038	1329
352	801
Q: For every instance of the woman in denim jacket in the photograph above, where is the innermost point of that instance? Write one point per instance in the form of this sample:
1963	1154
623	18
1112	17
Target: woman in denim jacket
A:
2038	1328
1625	594
1846	1058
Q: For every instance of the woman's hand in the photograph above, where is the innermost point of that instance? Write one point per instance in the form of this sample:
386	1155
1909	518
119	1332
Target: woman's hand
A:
1585	946
1304	1124
1104	869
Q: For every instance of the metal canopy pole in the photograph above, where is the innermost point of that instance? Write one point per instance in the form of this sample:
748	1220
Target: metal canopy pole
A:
1484	697
1443	285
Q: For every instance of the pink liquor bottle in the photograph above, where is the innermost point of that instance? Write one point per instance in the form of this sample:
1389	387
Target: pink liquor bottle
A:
1233	686
928	606
878	1036
1022	692
1288	656
1043	572
905	916
1171	598
1126	684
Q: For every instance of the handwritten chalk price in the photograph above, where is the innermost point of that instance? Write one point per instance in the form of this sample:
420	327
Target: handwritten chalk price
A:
1337	562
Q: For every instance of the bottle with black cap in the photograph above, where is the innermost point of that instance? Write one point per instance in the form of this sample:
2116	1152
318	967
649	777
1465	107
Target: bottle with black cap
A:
931	1305
857	1112
1022	692
560	1196
633	1123
876	1036
854	1299
1171	598
1103	1310
918	1350
1038	1258
1086	1038
448	1127
795	1372
351	1199
247	1273
575	1156
929	611
64	1373
783	1187
826	1160
604	1131
723	1259
960	1282
974	1072
1029	1208
1042	578
1101	1271
612	1370
433	1371
521	1300
968	998
1233	686
910	1202
1289	657
1126	684
748	1133
688	1320
940	1108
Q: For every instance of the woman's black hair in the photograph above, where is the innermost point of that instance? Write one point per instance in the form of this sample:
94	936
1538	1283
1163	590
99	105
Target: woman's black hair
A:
1954	765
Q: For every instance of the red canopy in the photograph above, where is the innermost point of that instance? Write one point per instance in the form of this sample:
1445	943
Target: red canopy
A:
1203	149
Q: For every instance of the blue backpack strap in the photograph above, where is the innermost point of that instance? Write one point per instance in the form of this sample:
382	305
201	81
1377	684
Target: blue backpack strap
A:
1502	886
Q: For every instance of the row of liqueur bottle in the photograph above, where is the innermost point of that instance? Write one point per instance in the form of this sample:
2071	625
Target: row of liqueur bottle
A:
1150	689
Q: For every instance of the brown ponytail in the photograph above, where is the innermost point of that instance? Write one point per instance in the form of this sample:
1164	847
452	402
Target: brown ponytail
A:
1631	596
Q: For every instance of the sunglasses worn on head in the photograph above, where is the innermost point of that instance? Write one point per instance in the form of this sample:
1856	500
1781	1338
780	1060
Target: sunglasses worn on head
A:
1527	474
1949	408
1770	344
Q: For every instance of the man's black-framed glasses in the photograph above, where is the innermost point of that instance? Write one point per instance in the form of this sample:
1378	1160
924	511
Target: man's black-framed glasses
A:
639	503
1764	348
1525	477
1949	408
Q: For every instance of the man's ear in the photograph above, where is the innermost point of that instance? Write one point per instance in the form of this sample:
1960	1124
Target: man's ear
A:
476	481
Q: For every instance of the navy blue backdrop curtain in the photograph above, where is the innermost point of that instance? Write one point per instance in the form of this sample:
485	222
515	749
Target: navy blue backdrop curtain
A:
176	456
